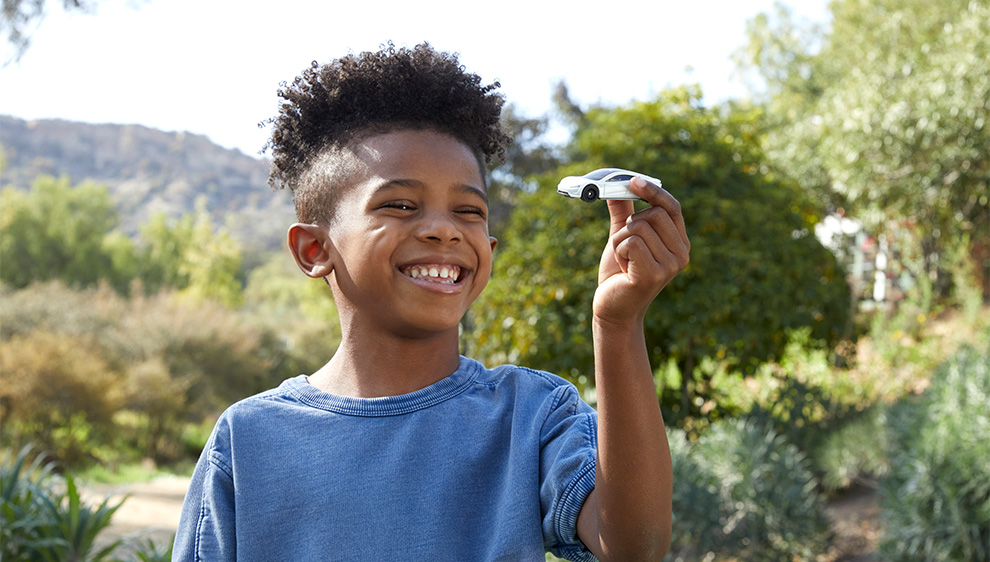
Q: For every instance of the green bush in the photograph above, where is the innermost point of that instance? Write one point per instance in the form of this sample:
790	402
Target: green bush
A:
695	527
57	392
854	451
21	518
46	520
742	491
936	499
837	437
151	552
73	360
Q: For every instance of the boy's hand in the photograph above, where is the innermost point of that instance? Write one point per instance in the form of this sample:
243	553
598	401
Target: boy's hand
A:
645	251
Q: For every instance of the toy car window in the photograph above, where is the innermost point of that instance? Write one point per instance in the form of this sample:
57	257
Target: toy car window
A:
598	174
621	177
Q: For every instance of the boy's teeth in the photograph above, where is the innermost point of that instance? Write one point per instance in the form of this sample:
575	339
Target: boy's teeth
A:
442	273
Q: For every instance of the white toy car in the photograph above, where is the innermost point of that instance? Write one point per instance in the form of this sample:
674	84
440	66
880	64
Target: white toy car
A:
606	183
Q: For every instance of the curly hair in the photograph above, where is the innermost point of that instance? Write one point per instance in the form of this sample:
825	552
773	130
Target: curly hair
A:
328	107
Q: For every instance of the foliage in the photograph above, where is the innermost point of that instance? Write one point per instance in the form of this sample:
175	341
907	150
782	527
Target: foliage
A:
936	499
695	528
41	521
21	483
163	359
827	415
280	300
856	448
528	156
74	526
744	492
192	256
19	16
756	273
885	115
160	357
209	350
57	392
277	288
151	552
56	231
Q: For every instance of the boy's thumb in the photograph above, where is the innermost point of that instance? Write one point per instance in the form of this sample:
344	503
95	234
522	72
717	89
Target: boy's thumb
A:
619	212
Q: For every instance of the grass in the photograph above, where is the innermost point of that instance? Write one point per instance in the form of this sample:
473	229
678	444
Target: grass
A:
128	473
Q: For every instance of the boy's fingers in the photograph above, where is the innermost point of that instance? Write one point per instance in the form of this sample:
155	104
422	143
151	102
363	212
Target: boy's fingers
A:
660	233
648	265
656	196
657	242
618	212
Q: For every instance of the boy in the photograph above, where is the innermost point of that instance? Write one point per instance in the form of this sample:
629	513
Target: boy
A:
399	448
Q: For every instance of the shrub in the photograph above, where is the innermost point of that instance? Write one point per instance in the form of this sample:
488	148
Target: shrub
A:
210	351
695	527
936	499
72	527
43	520
21	517
854	450
829	414
57	392
71	358
160	397
742	491
151	552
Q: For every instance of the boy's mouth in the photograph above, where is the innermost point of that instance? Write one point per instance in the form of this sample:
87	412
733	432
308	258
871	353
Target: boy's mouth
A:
436	273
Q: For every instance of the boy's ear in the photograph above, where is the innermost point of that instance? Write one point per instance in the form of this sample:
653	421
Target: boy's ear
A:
311	247
493	241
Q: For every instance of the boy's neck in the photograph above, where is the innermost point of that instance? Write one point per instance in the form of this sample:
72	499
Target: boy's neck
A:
376	367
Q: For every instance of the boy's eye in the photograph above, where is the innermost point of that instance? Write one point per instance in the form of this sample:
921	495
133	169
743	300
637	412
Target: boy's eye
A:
398	205
471	211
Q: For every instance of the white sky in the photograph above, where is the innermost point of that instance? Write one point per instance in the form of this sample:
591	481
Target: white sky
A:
213	66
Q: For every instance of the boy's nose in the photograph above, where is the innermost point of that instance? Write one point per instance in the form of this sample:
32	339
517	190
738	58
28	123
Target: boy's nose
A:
439	227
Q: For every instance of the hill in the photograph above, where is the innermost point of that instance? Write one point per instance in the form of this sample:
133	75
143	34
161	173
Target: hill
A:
148	170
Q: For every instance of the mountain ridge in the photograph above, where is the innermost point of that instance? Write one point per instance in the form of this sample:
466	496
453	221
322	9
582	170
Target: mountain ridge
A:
148	170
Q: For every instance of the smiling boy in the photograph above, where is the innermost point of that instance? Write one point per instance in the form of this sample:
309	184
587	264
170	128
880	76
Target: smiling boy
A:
399	447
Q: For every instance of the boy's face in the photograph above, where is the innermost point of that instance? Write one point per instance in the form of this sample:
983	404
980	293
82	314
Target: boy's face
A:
411	249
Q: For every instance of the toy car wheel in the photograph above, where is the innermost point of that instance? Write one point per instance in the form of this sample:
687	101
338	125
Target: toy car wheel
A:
589	194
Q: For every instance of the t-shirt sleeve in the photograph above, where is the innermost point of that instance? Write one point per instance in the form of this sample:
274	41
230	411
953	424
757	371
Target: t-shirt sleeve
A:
568	448
206	525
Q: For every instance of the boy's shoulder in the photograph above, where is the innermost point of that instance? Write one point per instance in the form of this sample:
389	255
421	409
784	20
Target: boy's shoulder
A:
518	374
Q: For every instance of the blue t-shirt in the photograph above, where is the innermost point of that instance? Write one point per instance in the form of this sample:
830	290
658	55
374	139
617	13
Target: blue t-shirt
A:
482	465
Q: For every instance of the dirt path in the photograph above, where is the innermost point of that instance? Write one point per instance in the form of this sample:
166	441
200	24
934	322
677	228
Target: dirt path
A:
855	517
151	511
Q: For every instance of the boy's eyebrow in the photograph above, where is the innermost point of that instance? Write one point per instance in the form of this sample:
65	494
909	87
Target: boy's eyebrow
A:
416	184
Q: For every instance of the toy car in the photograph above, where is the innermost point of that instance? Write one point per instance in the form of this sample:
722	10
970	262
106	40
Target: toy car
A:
606	183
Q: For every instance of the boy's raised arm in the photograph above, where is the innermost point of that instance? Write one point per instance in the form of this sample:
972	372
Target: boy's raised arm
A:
628	514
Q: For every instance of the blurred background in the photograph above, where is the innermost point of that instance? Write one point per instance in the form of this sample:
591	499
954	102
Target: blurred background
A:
822	364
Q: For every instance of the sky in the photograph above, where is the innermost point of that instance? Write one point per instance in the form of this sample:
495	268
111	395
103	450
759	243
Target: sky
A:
213	67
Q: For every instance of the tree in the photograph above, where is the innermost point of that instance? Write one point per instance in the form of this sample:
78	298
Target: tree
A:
886	115
212	262
756	272
57	231
190	255
19	17
528	155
